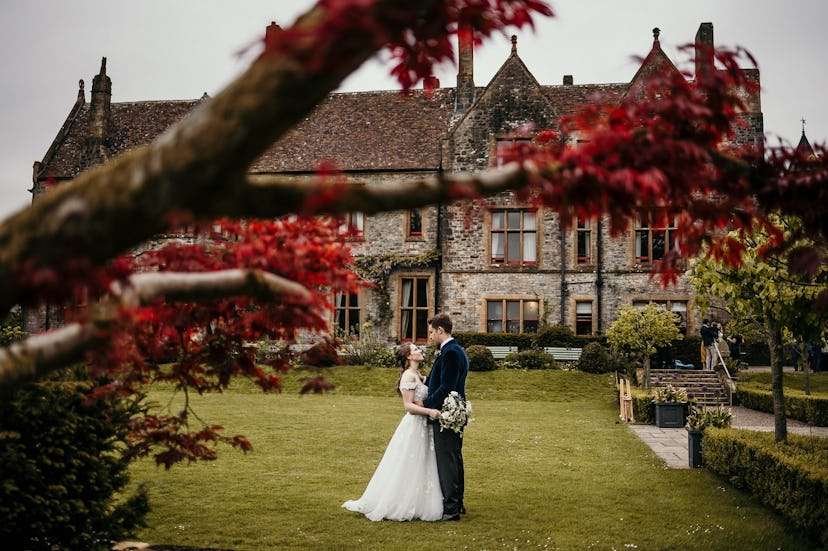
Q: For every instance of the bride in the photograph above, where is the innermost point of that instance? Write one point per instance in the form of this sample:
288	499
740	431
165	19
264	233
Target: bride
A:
405	485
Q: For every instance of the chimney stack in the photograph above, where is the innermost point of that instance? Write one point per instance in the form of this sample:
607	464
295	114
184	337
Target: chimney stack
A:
465	69
567	80
100	104
704	48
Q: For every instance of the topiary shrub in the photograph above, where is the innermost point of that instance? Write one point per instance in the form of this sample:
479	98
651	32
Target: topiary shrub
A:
594	359
480	358
62	473
555	335
530	359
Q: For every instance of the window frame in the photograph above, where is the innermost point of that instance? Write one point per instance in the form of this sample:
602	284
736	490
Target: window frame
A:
505	231
419	314
352	227
651	229
410	233
668	303
588	230
504	313
347	309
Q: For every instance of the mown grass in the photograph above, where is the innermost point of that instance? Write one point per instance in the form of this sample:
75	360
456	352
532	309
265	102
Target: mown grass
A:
547	467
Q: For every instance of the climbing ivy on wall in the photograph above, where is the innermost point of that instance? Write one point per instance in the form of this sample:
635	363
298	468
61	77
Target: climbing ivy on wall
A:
377	269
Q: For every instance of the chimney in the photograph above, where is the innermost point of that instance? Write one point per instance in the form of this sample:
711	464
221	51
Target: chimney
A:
465	69
431	83
704	48
100	104
567	80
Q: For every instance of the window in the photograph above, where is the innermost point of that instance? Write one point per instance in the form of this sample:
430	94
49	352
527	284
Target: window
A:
346	313
353	225
514	237
583	233
504	149
678	307
654	239
512	316
415	223
414	309
583	317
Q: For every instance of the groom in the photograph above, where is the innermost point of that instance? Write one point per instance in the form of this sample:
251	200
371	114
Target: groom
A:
448	373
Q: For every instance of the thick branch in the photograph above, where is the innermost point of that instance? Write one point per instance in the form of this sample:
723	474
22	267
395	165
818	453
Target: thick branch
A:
199	161
267	196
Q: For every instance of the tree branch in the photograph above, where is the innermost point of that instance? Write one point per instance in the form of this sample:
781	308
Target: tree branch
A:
39	354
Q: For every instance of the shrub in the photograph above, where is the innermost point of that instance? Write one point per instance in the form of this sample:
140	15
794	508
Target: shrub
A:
321	354
791	478
62	474
554	335
365	349
530	359
594	359
382	357
480	358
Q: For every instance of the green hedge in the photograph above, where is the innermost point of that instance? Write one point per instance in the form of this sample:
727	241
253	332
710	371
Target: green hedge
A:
525	341
791	478
808	409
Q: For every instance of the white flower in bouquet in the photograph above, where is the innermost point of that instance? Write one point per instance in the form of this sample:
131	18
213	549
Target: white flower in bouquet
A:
456	413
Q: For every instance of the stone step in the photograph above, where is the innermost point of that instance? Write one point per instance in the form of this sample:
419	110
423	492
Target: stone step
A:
703	385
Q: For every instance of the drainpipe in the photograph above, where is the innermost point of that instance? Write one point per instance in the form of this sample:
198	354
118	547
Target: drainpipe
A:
439	244
599	279
564	290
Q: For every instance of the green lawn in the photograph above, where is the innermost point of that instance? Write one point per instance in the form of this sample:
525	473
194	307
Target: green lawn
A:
791	381
548	466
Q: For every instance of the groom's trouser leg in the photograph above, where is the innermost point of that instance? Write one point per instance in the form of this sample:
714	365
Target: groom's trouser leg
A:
448	447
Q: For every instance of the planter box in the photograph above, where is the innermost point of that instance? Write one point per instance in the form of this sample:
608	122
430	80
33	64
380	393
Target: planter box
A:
694	451
670	415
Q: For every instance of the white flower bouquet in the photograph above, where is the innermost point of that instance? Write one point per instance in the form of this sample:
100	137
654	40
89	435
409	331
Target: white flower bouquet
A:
456	413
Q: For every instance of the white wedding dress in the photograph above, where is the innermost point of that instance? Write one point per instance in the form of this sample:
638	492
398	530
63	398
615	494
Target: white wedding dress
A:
405	485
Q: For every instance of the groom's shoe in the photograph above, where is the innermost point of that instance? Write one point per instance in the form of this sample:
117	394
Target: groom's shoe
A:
462	510
455	516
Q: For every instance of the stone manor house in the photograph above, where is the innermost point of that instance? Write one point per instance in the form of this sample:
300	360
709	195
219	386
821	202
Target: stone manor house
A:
508	268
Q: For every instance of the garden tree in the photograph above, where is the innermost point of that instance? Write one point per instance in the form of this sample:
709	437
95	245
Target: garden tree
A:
764	289
665	148
642	330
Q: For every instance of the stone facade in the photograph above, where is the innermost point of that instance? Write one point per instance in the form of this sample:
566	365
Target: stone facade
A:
493	267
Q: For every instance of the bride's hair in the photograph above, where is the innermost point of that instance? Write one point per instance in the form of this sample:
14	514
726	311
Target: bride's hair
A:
402	353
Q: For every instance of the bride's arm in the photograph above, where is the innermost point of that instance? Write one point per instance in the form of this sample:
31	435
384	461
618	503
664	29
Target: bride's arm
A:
408	400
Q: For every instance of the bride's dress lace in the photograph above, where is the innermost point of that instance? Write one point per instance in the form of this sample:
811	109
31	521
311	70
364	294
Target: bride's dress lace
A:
405	485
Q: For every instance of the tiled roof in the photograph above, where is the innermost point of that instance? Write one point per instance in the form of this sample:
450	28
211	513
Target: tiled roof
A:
383	130
568	98
356	131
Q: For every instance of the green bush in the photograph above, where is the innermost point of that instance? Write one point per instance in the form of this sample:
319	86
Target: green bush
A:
521	340
791	478
62	473
530	359
383	357
555	335
480	358
808	409
594	359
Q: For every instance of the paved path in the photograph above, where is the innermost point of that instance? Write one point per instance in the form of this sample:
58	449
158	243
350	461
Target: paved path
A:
671	444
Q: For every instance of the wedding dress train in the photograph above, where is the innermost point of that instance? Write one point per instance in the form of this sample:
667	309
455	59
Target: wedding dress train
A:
405	485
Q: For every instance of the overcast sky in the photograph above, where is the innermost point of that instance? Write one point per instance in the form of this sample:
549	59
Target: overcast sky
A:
179	49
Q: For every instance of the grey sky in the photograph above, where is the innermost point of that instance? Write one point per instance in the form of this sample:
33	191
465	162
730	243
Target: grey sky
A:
161	49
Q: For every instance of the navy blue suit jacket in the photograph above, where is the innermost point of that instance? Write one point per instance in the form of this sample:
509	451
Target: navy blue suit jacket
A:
448	373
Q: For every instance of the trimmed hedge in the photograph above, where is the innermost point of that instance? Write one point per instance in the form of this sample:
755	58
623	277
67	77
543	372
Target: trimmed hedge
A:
525	341
791	478
808	409
530	359
594	359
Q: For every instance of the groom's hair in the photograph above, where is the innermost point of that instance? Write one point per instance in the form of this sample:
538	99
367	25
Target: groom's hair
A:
441	320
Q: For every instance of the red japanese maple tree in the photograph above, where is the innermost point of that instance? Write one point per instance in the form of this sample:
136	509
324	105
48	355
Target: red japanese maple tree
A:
200	303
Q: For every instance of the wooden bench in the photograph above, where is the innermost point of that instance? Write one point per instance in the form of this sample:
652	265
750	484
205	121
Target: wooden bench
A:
500	352
564	354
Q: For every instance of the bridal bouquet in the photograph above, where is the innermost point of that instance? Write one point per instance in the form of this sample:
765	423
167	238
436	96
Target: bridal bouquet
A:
456	413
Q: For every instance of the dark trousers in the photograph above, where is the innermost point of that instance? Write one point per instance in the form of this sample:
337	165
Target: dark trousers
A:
448	446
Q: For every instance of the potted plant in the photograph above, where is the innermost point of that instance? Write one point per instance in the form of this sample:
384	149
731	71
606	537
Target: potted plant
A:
670	406
698	420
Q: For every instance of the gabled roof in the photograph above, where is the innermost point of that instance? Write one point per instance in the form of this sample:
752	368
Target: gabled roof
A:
515	88
656	63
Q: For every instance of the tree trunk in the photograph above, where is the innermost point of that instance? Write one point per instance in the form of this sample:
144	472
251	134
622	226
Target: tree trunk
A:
775	346
647	371
805	362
